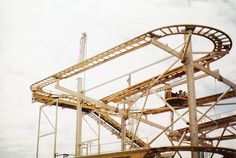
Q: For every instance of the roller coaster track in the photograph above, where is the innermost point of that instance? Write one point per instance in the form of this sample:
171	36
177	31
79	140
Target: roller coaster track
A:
221	42
210	125
141	87
115	128
106	121
201	102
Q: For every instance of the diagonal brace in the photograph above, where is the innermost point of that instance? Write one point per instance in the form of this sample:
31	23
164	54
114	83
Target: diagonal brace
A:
215	75
165	47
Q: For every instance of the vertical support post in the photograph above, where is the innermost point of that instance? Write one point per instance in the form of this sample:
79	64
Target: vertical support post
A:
39	125
123	122
79	90
90	147
191	96
86	148
99	134
123	133
220	138
172	119
78	122
82	47
55	136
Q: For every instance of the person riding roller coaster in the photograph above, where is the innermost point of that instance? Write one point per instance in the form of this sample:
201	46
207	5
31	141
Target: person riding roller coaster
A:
175	99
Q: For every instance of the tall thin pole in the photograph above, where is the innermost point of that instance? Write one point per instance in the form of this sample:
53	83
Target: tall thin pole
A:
123	123
172	119
99	134
83	41
39	125
79	90
123	133
55	136
191	98
78	122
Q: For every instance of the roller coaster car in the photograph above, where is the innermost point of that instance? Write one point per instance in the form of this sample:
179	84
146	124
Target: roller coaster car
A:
177	100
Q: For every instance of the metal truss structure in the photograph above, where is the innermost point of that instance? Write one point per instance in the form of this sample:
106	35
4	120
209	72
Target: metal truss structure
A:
192	66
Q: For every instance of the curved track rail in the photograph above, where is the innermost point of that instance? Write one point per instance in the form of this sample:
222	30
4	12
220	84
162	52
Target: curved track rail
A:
221	41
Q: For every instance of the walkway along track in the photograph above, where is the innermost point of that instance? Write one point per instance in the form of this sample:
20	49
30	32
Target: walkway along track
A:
222	45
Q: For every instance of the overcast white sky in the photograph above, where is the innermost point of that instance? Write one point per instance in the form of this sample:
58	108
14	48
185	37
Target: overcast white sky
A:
41	37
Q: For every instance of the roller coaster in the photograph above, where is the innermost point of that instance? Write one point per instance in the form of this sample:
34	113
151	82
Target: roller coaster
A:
195	136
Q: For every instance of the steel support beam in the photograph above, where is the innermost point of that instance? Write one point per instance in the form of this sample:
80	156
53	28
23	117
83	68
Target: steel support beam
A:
152	124
123	133
215	75
166	129
53	126
80	85
173	145
55	136
213	104
191	97
139	119
175	84
165	47
172	119
98	104
220	138
78	122
39	126
99	134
